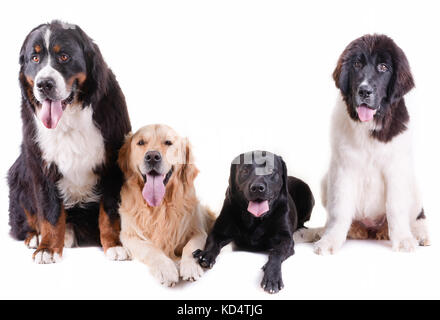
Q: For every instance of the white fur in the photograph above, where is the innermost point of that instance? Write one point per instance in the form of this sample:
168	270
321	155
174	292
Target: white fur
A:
76	146
117	253
45	257
366	180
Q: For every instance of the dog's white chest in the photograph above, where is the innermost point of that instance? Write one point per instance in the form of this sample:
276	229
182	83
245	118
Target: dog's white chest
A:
76	146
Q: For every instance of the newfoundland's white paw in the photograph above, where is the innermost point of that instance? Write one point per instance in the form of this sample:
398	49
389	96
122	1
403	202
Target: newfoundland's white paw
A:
190	270
326	246
117	254
404	245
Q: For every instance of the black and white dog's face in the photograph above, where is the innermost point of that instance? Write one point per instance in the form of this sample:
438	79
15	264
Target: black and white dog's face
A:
53	66
257	179
372	74
369	79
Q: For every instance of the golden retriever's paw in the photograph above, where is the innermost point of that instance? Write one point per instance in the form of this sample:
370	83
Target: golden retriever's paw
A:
117	253
166	272
46	256
404	245
190	270
326	247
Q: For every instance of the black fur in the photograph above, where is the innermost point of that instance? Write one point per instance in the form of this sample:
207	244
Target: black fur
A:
290	206
32	185
359	62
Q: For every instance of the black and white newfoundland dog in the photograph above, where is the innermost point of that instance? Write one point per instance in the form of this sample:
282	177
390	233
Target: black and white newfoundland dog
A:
65	184
370	190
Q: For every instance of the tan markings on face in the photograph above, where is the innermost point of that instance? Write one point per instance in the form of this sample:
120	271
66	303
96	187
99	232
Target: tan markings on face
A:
154	138
37	48
56	48
30	81
80	76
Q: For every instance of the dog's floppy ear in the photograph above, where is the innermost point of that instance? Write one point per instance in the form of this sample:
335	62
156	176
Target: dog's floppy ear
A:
125	155
341	74
189	170
96	82
402	80
285	176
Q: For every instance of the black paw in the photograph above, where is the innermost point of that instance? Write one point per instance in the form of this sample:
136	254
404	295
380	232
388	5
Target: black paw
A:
272	281
206	258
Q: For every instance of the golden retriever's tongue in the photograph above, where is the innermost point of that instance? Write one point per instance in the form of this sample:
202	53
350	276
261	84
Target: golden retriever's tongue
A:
365	113
154	190
258	208
50	114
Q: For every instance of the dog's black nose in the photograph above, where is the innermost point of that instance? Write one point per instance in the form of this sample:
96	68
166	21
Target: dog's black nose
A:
153	157
257	187
46	85
365	91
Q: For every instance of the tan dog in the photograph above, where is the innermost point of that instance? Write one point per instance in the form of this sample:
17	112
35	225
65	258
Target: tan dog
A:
161	218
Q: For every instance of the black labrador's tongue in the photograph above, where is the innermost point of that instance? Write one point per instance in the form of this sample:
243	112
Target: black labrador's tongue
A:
50	114
154	190
258	208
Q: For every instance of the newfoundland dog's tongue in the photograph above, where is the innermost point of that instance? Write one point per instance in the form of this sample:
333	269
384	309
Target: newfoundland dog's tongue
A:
51	112
365	113
154	189
258	208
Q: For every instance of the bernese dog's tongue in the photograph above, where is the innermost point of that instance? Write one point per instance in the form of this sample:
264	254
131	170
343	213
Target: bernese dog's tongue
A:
154	189
365	113
51	112
258	208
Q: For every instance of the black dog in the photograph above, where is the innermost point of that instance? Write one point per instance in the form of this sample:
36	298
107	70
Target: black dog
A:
66	181
262	209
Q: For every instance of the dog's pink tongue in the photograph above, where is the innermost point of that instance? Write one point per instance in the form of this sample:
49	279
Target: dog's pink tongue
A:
365	113
51	112
258	208
154	190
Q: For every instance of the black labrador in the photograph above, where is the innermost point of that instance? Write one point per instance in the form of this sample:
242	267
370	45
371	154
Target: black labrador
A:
262	209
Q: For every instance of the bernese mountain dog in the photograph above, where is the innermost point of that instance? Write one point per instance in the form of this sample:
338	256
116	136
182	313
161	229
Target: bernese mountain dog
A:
64	187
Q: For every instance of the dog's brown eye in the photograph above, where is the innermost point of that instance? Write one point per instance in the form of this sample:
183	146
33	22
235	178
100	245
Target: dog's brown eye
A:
63	57
382	67
168	143
358	65
36	58
141	143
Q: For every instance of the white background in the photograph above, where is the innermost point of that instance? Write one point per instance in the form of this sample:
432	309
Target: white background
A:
235	76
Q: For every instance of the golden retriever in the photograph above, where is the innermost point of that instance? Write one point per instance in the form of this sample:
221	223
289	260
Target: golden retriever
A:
162	220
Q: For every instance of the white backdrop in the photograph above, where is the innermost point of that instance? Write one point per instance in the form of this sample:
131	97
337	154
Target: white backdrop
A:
235	76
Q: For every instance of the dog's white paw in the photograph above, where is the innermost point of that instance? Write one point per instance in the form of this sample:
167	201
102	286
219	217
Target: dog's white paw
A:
117	253
166	272
404	245
69	237
33	242
326	246
190	270
45	256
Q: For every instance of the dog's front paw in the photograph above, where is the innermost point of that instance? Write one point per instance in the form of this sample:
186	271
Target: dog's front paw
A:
190	270
206	258
46	256
117	253
404	245
165	271
32	241
272	281
326	246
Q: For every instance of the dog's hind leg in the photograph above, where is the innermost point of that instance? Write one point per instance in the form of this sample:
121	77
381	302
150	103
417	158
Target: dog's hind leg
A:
420	230
306	235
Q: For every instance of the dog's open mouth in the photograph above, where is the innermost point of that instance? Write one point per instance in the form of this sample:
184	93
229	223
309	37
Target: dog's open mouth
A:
154	186
365	112
258	207
52	111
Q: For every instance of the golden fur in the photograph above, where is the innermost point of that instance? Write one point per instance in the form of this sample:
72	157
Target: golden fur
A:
179	225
